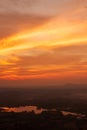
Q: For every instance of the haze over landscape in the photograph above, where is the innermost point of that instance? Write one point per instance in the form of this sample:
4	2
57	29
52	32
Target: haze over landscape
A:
43	42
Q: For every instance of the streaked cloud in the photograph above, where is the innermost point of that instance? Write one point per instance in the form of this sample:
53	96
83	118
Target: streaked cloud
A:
43	40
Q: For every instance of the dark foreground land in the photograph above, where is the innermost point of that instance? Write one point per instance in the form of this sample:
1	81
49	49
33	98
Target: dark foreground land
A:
44	121
71	98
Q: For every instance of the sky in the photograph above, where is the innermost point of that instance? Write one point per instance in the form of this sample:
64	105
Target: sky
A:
43	42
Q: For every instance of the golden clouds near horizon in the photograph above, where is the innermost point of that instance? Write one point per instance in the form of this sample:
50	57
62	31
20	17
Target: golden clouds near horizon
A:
57	49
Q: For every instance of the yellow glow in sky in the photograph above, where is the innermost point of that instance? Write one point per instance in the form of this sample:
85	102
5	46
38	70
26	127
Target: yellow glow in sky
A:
36	45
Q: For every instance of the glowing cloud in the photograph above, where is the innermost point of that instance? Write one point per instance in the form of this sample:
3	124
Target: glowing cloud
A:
55	47
52	34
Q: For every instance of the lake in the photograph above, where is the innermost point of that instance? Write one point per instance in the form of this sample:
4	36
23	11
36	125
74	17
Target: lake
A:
37	110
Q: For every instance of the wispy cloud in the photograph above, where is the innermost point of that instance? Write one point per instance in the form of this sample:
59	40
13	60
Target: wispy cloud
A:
43	40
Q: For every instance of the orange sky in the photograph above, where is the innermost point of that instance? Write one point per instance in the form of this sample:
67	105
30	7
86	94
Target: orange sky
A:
43	42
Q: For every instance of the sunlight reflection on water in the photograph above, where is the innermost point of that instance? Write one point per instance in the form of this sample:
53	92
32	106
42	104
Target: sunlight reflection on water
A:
37	110
78	115
23	109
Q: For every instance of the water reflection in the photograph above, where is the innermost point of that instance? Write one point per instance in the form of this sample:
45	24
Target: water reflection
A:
37	110
78	115
23	109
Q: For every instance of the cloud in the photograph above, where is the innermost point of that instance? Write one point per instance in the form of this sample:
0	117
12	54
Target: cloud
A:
55	32
54	62
11	24
43	39
16	16
40	7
